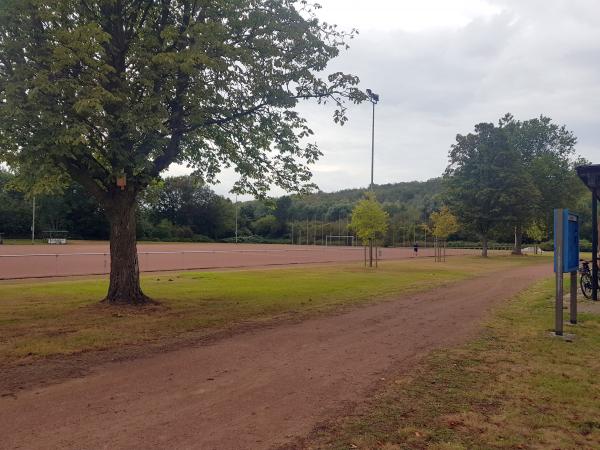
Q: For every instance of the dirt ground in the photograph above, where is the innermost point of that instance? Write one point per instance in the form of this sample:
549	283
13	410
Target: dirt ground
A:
263	388
31	261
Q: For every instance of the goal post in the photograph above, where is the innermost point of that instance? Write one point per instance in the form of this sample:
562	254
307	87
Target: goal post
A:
347	240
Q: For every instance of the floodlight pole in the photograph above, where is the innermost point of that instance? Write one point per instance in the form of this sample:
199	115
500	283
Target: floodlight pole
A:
373	146
373	98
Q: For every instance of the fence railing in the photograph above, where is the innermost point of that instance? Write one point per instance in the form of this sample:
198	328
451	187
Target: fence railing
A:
45	265
48	265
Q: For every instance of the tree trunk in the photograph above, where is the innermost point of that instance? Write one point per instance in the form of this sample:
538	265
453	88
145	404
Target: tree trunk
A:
484	246
517	249
124	285
370	252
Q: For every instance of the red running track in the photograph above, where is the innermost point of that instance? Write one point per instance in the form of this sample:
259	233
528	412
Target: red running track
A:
42	261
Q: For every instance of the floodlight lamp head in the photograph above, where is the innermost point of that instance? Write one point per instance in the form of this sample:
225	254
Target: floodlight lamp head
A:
373	97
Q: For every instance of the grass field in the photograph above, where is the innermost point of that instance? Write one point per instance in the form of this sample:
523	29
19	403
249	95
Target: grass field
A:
65	317
514	387
23	242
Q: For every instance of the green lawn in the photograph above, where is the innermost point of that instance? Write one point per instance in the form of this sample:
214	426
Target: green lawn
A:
23	242
64	317
515	387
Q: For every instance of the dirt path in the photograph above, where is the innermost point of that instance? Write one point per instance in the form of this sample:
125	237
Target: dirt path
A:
255	390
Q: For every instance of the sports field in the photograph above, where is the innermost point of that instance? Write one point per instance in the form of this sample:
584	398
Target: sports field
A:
31	261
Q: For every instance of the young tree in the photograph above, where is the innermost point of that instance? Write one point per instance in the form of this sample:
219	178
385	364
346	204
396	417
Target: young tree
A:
110	93
537	232
444	223
369	221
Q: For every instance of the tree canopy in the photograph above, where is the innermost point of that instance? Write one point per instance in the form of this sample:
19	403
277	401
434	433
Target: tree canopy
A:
110	93
369	220
511	175
444	223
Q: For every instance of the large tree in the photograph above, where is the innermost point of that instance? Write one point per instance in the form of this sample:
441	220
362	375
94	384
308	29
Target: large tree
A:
110	93
482	180
187	202
546	153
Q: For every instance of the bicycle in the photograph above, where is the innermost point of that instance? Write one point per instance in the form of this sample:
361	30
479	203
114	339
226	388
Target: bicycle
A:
585	281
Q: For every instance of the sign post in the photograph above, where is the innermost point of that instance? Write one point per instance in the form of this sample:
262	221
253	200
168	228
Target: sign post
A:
558	270
566	260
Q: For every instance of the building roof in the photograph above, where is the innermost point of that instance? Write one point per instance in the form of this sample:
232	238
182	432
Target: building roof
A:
590	175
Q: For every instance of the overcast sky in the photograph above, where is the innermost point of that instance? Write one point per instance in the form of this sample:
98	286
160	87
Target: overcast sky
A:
441	66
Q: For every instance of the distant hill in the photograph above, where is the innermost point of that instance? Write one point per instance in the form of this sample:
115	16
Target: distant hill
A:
413	200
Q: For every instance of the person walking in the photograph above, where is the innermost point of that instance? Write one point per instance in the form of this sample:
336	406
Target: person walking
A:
416	249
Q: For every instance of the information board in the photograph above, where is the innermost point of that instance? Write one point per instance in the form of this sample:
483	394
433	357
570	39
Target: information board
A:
570	241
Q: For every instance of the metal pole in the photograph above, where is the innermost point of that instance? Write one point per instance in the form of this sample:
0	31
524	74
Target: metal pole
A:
573	303
595	244
322	230
373	145
307	231
33	222
559	238
292	232
236	219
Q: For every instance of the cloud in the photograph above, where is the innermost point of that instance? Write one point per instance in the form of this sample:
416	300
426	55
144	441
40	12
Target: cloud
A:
470	62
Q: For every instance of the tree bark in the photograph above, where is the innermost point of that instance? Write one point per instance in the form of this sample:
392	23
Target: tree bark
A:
517	249
124	285
484	246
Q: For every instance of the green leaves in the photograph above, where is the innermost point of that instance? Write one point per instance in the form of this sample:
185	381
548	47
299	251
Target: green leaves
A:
512	174
103	87
369	220
444	223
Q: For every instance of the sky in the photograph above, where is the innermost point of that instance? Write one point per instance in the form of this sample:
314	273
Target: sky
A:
440	67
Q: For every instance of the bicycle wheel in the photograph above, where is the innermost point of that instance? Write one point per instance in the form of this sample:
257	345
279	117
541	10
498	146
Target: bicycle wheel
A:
585	282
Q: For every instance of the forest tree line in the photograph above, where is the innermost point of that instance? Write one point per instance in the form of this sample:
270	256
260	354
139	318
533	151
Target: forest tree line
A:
503	181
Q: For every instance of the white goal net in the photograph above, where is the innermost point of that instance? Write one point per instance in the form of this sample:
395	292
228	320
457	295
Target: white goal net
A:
348	241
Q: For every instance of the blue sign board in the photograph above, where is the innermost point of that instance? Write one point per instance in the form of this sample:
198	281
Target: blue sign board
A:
570	253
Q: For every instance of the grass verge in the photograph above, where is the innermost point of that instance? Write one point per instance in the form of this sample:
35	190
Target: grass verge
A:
65	317
515	387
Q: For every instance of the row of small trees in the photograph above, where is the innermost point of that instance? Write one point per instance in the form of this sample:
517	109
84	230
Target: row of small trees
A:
370	222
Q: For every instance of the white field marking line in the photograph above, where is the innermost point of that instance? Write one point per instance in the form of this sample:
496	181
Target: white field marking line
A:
177	253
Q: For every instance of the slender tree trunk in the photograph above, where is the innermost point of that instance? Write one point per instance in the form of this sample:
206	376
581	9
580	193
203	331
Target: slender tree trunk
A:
484	246
517	250
370	252
124	285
